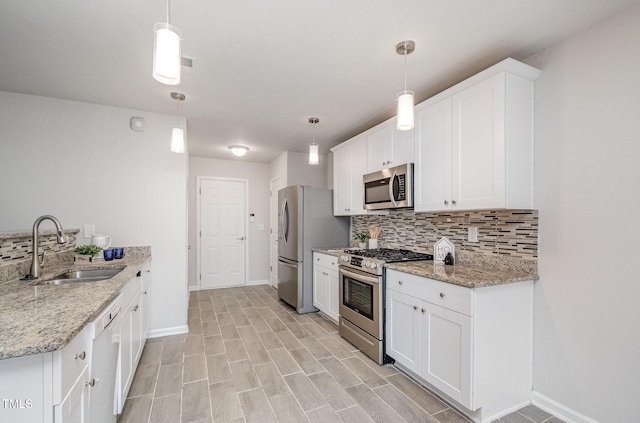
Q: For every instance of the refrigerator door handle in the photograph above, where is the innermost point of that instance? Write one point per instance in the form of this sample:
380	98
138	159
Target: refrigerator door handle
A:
280	221
284	263
285	221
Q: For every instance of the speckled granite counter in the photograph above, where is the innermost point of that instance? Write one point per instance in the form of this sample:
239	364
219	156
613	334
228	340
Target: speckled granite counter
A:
41	318
464	275
330	251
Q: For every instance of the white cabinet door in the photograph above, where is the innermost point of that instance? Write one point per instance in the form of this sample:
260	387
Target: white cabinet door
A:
446	351
402	336
320	287
432	170
403	146
137	342
75	406
349	164
334	295
380	148
478	147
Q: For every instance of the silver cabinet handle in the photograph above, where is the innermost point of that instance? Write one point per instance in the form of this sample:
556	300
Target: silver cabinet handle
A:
442	295
136	307
240	239
400	282
446	202
81	356
423	310
415	307
453	202
91	383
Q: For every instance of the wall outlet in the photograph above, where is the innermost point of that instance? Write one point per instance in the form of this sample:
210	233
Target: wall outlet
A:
88	231
472	235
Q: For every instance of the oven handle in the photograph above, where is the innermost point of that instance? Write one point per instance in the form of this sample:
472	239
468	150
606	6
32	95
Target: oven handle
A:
359	276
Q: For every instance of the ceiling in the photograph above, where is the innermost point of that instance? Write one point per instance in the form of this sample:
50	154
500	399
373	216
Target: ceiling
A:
262	68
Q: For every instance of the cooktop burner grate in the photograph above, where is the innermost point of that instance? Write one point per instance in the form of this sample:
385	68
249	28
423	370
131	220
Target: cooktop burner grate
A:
390	255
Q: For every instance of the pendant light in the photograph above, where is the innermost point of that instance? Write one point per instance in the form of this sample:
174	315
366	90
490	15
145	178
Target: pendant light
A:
177	133
313	146
405	118
166	52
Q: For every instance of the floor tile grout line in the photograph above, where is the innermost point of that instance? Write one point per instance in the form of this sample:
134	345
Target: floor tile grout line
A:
206	368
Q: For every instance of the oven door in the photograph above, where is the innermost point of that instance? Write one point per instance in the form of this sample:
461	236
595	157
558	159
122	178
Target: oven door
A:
361	300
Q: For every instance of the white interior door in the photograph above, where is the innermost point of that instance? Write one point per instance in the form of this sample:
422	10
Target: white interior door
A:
276	184
222	233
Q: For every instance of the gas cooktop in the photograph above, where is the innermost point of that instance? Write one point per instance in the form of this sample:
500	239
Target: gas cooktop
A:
390	255
372	261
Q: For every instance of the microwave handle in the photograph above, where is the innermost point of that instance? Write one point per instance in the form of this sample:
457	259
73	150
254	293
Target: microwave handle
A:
393	177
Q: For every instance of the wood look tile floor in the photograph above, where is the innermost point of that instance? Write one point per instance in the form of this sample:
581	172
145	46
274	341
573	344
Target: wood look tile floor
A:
248	357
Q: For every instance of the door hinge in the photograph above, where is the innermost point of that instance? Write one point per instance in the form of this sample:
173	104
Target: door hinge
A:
200	234
200	276
271	268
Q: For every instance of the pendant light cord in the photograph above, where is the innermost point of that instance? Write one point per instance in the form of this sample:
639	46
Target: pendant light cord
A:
168	13
405	67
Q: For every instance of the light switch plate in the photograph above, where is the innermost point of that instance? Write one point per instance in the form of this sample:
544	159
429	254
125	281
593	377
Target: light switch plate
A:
88	231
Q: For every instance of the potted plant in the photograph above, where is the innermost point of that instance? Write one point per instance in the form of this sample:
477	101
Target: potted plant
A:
362	238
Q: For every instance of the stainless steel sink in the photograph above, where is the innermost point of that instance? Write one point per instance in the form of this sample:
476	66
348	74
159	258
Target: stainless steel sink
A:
88	275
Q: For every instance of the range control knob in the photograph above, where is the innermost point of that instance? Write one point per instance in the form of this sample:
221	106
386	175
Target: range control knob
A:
373	265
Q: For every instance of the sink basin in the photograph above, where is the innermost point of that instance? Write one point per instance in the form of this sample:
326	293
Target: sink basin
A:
88	275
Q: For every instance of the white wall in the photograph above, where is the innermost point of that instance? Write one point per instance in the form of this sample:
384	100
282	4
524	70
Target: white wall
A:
587	138
257	240
83	164
294	169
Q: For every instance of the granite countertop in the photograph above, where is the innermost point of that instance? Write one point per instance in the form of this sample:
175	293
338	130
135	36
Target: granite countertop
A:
469	276
36	318
334	251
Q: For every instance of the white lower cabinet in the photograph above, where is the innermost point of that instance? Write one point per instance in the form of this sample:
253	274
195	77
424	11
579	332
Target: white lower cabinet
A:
472	345
75	406
325	285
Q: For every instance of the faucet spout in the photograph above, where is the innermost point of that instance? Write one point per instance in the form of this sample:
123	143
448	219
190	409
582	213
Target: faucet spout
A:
36	263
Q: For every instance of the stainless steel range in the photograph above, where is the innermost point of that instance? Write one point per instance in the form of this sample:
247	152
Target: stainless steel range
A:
362	301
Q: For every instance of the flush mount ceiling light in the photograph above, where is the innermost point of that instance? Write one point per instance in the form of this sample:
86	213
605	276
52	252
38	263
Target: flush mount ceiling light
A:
238	150
313	146
404	118
177	133
166	52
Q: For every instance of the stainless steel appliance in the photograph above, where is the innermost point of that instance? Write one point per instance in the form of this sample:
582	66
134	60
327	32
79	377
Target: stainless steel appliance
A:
305	221
104	364
389	188
361	275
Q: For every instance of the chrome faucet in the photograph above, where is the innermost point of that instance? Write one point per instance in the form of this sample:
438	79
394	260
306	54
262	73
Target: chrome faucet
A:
36	263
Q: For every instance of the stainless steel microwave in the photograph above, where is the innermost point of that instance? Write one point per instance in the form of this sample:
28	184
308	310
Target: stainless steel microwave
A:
389	188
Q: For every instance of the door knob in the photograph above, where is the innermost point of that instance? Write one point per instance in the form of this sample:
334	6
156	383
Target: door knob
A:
241	238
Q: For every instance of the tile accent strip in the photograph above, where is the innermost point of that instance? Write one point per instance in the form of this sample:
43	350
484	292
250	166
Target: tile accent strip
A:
508	234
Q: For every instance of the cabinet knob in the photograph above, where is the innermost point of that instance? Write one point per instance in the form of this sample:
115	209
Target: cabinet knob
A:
415	307
145	292
446	202
423	310
91	383
136	308
400	282
453	202
442	295
81	356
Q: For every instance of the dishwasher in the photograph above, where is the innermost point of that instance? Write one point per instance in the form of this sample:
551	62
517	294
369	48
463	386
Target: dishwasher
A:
105	331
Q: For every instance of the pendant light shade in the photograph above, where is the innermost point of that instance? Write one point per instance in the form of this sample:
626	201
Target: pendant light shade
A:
313	146
177	140
404	117
177	133
166	52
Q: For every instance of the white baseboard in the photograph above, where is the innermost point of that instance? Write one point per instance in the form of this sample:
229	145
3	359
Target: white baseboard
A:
559	410
259	282
193	288
176	330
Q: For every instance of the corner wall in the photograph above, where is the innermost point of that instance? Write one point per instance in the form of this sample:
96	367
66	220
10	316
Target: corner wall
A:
587	140
83	164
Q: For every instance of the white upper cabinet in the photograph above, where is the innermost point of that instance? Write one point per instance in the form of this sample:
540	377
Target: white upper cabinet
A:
388	147
349	164
474	143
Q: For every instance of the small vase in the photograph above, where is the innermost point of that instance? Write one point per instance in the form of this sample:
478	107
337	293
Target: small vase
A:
362	245
373	244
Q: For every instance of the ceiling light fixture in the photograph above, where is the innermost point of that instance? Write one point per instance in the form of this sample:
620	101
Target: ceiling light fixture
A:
177	133
166	52
238	150
405	118
313	146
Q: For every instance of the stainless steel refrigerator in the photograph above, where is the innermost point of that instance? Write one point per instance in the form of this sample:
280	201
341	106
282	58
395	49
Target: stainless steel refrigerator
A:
305	221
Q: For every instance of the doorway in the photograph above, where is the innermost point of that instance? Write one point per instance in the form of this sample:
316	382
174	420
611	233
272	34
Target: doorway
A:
222	232
275	185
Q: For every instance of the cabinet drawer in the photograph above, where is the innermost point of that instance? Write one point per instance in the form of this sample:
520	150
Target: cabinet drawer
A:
452	297
325	260
69	362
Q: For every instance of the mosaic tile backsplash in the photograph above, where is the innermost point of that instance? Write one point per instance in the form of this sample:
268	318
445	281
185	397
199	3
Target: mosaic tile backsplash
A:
508	234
